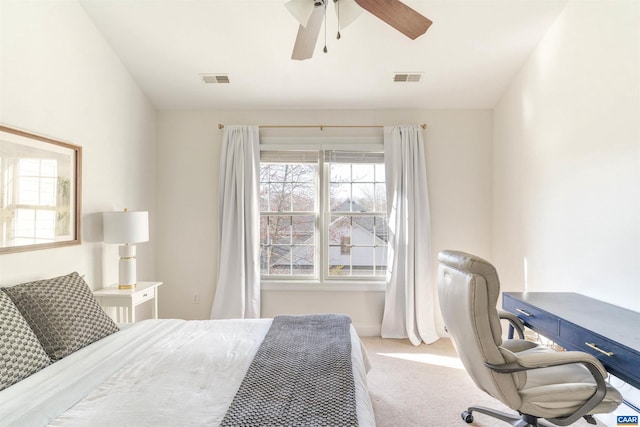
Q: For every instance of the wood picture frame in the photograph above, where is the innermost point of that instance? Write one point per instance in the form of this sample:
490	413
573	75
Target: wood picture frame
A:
40	192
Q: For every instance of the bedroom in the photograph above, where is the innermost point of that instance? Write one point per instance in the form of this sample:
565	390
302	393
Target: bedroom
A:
565	197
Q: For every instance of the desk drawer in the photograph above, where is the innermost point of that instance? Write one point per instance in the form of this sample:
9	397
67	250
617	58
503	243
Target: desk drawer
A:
534	318
142	296
620	360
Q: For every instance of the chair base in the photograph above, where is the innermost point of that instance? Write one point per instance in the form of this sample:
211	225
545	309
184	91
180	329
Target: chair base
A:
520	420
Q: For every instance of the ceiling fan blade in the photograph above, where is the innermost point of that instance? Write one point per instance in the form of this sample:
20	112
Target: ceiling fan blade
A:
308	36
301	10
398	15
347	11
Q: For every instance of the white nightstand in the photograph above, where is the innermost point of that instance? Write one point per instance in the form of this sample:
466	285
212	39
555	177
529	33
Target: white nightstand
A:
126	301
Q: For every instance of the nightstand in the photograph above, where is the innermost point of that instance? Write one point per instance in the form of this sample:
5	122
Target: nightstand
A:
126	301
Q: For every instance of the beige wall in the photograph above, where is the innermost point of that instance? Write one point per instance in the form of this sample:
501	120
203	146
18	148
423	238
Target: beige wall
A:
59	78
459	162
566	164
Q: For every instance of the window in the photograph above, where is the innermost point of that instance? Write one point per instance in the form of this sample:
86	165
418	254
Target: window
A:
31	191
323	215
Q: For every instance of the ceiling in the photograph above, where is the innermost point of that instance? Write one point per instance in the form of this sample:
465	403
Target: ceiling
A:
468	56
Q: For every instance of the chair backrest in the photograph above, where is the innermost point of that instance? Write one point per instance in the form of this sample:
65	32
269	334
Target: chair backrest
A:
468	290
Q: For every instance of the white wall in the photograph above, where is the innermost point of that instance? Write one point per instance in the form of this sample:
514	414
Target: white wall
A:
459	163
60	79
566	175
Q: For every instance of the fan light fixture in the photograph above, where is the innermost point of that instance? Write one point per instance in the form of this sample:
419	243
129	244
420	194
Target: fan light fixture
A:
310	13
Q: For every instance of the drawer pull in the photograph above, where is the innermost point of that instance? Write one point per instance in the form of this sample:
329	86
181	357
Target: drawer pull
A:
144	295
526	313
598	349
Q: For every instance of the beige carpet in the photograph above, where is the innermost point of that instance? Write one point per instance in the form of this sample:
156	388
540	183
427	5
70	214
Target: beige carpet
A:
424	386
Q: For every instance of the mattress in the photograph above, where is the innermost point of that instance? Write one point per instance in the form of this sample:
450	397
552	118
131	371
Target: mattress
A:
164	372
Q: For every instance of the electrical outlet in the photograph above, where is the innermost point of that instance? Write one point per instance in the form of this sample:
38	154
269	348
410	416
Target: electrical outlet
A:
196	298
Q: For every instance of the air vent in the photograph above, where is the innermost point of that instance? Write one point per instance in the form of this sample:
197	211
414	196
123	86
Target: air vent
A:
215	78
407	77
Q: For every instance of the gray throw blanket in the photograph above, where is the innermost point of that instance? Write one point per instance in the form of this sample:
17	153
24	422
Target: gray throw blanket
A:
300	376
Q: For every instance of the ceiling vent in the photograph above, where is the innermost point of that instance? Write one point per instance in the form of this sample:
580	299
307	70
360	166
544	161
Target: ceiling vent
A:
215	78
407	77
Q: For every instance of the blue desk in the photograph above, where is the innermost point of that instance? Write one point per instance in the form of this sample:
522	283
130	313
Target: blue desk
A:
577	322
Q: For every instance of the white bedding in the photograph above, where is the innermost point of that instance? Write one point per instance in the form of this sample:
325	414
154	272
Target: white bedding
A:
153	373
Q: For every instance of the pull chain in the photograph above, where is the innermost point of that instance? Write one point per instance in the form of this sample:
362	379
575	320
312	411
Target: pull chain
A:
337	5
325	28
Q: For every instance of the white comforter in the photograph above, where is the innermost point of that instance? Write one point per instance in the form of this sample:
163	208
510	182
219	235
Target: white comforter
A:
153	373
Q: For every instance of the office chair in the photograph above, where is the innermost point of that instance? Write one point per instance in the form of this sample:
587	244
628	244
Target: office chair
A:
533	380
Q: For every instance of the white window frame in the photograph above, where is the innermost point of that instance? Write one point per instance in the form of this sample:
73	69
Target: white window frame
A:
322	280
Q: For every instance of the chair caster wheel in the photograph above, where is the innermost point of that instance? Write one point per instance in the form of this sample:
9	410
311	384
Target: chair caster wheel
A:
467	417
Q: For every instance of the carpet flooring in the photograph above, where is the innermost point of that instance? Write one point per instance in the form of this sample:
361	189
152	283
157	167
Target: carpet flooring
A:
425	386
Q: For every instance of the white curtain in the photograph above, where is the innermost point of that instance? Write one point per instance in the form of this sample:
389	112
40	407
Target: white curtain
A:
409	297
238	288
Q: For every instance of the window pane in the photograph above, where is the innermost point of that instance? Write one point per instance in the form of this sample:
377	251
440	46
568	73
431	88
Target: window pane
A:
49	168
280	229
264	197
339	264
265	256
363	230
277	172
381	261
381	230
363	261
340	197
340	172
357	245
303	260
264	231
380	204
364	197
287	245
48	192
286	187
304	197
380	177
29	167
339	228
280	260
305	172
45	225
303	228
280	197
362	172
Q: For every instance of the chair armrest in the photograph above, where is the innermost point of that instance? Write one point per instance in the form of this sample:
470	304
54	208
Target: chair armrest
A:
545	360
557	358
514	321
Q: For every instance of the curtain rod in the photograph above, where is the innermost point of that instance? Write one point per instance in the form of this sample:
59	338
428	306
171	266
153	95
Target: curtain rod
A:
322	127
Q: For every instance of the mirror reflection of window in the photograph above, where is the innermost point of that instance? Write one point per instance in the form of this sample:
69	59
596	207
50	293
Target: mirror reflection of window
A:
36	216
39	191
35	201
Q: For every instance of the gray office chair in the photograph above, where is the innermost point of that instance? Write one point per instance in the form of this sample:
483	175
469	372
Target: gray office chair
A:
533	380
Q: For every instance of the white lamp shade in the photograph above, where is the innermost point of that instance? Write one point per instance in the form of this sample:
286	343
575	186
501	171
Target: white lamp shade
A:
126	227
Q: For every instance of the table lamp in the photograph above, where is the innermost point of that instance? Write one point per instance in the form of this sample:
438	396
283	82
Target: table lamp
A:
126	228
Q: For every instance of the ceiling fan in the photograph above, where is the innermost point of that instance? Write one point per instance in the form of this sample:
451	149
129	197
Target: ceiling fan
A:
310	13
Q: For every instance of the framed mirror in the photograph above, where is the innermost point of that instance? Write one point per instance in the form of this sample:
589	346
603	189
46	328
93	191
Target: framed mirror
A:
40	183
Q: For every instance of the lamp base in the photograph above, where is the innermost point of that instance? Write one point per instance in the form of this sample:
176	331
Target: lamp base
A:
127	267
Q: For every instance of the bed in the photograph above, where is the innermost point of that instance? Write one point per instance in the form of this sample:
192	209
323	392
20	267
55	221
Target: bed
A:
163	372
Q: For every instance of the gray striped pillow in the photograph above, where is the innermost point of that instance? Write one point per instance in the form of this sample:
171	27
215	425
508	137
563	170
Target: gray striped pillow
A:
63	313
20	351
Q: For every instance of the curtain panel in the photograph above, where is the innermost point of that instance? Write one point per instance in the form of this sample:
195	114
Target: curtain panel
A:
409	310
238	286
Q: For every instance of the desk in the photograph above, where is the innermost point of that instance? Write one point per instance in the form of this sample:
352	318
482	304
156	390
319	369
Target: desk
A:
129	299
576	322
